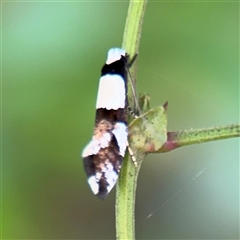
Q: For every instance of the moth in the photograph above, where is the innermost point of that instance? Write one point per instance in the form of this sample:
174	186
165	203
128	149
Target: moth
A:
103	155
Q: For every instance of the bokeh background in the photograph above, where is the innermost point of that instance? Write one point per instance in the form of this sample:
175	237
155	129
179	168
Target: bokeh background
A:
52	53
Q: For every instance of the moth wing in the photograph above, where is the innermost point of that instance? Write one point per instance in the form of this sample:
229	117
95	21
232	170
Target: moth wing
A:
111	92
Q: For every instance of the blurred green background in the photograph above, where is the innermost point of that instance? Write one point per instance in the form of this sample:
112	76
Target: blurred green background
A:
52	53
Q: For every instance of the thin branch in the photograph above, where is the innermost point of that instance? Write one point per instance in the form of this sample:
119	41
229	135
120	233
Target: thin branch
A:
194	136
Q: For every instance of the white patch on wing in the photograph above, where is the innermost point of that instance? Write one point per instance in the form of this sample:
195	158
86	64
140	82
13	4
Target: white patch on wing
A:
115	54
103	141
110	175
96	144
91	149
111	92
121	134
92	181
98	176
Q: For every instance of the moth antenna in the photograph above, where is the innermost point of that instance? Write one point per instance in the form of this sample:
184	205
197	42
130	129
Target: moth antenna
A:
132	61
133	89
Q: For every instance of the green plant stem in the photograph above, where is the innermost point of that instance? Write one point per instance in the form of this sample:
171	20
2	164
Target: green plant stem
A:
125	200
126	185
132	34
194	136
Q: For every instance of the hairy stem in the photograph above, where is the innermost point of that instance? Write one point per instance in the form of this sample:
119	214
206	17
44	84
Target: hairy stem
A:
193	136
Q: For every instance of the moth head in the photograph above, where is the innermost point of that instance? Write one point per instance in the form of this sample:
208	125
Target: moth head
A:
115	54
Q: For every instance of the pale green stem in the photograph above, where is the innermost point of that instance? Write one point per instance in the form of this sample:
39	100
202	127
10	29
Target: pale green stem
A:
126	186
132	35
194	136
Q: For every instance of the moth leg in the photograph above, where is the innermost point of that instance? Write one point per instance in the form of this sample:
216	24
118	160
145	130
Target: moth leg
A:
132	156
135	115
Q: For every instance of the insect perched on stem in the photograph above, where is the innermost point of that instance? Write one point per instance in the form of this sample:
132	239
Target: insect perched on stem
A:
104	154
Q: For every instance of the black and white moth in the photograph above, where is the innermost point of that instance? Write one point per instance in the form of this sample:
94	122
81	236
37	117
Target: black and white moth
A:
103	155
